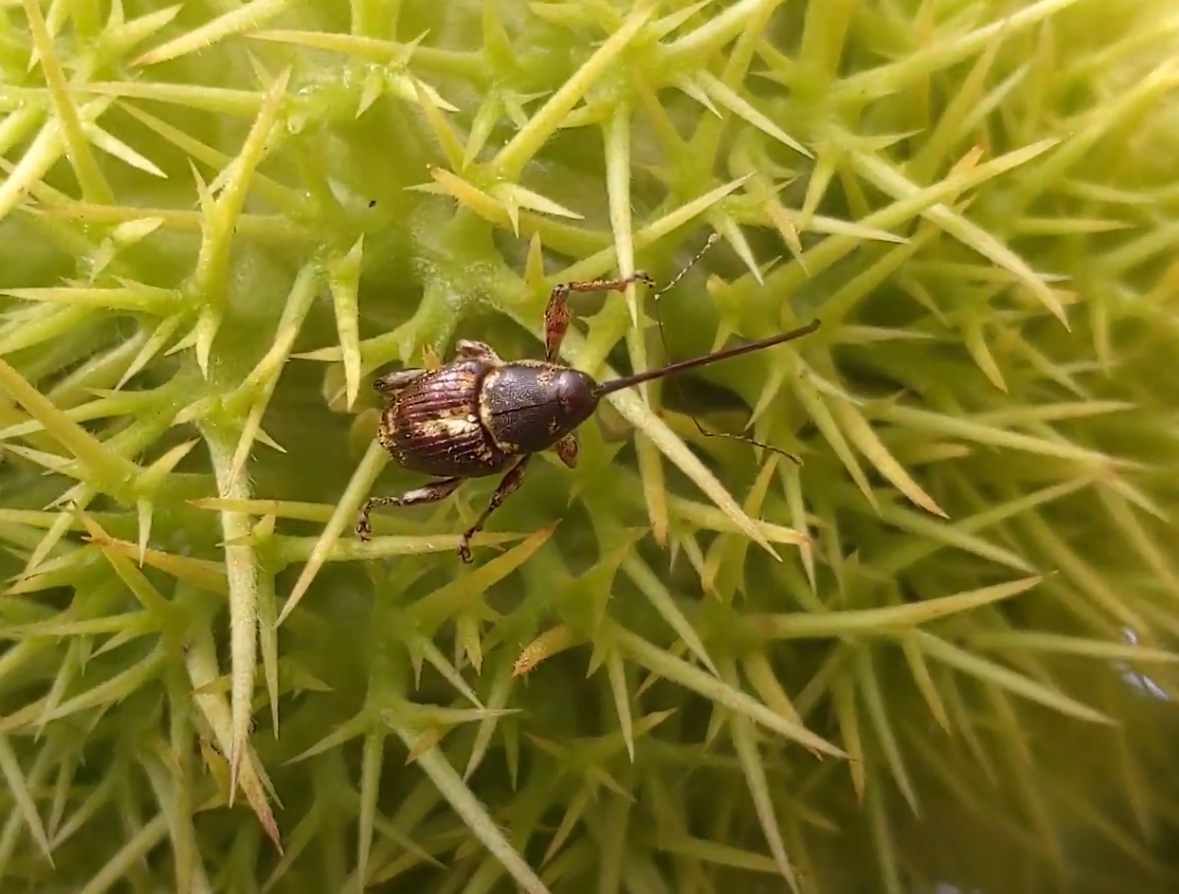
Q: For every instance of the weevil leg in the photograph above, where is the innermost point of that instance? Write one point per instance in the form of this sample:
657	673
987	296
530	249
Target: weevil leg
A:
476	350
566	449
508	485
556	313
393	382
427	493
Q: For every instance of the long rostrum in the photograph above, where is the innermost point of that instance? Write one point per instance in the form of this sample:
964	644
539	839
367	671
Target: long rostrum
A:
672	368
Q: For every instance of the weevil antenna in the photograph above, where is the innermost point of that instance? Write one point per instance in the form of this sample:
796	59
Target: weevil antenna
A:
713	239
684	365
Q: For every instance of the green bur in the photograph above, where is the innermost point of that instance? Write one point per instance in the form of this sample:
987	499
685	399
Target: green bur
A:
938	652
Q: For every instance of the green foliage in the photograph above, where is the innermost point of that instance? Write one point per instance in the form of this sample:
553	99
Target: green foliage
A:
688	664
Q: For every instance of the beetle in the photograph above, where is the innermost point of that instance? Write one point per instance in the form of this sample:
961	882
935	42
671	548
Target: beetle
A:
481	415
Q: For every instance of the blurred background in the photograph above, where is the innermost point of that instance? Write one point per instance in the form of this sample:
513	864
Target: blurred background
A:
935	656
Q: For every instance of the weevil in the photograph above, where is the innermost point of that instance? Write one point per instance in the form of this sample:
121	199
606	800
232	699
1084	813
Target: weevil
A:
481	415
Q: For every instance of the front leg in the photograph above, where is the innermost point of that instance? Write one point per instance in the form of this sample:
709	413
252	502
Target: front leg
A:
566	450
556	313
427	493
508	486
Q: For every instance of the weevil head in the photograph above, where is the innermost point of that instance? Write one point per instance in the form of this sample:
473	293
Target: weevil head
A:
530	405
577	397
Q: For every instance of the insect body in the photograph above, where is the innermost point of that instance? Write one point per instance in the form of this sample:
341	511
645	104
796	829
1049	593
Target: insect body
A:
480	415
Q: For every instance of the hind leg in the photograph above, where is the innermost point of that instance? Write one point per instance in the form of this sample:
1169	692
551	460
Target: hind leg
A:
428	493
395	381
